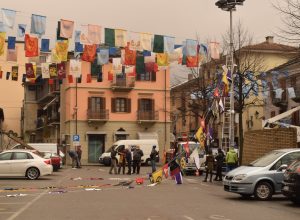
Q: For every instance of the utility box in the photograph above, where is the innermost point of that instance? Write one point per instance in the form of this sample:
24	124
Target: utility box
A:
259	142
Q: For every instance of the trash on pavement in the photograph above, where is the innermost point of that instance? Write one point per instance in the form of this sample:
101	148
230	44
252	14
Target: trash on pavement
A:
16	195
153	184
92	189
58	191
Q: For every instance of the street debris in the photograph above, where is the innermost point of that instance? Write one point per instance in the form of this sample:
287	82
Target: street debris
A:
58	191
92	189
16	195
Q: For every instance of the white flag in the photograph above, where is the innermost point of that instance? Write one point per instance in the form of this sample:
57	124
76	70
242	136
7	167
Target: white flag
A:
45	70
291	92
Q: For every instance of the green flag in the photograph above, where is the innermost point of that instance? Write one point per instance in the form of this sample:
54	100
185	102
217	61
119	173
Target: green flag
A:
110	37
140	63
158	46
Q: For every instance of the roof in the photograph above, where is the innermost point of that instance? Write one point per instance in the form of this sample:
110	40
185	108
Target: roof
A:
271	47
286	150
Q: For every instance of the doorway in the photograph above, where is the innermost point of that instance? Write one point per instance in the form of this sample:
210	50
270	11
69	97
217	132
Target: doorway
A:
96	146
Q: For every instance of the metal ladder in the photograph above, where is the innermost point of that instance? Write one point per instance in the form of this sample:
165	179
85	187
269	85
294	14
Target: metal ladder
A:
226	124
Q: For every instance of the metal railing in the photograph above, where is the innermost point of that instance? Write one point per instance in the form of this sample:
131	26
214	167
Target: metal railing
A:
147	115
102	114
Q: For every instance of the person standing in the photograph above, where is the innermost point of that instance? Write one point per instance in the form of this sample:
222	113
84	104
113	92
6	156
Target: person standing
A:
153	155
137	158
219	164
129	160
74	157
231	159
122	162
79	153
113	164
209	164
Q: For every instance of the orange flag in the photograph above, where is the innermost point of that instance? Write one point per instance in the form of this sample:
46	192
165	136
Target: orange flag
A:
31	46
192	61
89	53
130	57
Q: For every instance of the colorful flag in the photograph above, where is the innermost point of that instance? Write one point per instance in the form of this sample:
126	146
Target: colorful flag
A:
66	28
95	68
191	61
195	156
187	148
11	43
78	47
58	37
130	56
88	78
130	71
109	37
31	46
50	81
191	47
103	56
53	70
216	93
14	73
89	53
151	67
110	76
21	30
200	137
176	56
38	24
162	59
134	41
117	66
174	168
203	52
61	70
291	92
165	169
140	63
178	178
169	43
146	41
94	34
158	46
30	73
75	68
214	48
2	42
45	45
61	49
70	78
11	55
120	38
77	36
8	17
45	70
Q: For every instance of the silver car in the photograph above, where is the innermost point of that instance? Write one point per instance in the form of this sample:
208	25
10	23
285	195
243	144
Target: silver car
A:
263	177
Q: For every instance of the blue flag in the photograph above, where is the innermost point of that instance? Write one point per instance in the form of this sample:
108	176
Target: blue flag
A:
11	43
38	24
21	30
78	47
45	45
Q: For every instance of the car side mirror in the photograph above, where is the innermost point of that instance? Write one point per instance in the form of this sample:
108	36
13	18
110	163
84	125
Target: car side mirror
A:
282	168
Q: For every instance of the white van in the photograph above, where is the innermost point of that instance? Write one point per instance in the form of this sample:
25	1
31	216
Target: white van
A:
145	146
42	147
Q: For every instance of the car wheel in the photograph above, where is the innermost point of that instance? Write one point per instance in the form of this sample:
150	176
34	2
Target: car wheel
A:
245	196
32	173
263	191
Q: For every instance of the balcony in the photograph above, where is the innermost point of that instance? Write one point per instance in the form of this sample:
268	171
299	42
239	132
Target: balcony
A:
54	119
45	91
297	93
123	84
147	116
280	102
101	115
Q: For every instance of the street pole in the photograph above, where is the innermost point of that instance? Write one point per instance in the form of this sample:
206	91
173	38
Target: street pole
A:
76	107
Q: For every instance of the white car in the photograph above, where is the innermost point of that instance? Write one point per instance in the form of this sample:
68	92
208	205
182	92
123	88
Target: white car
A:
24	163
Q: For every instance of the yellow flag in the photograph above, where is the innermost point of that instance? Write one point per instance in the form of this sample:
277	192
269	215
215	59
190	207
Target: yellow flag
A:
2	42
201	137
162	59
61	49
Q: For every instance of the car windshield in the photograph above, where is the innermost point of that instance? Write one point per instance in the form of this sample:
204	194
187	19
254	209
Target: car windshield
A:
109	149
294	166
267	159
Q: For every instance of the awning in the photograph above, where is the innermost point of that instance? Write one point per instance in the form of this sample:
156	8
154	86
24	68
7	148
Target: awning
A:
95	132
147	135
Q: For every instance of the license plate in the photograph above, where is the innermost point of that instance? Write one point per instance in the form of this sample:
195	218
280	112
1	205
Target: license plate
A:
286	188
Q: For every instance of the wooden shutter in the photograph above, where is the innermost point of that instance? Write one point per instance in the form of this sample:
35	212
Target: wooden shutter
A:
128	105
153	76
89	103
153	104
113	105
102	103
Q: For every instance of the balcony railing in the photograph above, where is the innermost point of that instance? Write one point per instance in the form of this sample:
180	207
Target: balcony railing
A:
147	115
124	84
100	115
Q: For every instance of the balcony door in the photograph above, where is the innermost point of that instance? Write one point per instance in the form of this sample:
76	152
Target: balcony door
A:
96	107
146	109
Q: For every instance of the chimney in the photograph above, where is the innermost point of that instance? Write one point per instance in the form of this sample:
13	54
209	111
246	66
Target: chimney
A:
270	39
190	76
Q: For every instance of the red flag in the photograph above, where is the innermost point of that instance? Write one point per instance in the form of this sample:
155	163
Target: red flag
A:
216	93
130	57
31	46
30	74
61	70
186	148
110	76
89	53
70	78
88	78
192	61
166	170
51	81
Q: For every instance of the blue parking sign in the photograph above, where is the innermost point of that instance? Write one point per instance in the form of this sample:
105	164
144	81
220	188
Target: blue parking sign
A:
76	138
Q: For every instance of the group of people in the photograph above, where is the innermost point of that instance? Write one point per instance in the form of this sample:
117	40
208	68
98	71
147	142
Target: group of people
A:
76	157
132	156
217	161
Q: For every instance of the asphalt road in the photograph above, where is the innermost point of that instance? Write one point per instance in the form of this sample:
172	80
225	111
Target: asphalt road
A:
80	194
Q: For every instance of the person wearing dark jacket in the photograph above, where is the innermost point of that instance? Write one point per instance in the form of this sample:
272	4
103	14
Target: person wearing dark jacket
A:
113	165
129	160
73	154
79	153
219	164
153	155
209	164
137	158
122	162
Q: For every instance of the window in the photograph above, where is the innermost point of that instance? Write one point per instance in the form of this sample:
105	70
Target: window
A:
146	105
147	76
21	156
96	104
287	160
121	105
5	156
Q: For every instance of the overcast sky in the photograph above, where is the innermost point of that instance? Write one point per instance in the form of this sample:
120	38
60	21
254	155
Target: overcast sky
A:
182	19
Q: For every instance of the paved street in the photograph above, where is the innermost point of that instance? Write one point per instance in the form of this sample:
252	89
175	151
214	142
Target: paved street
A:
66	196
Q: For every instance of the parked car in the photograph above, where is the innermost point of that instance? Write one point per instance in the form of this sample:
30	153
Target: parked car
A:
263	177
56	160
24	163
291	182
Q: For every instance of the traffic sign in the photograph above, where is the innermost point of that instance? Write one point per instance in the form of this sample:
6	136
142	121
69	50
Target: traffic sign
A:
76	138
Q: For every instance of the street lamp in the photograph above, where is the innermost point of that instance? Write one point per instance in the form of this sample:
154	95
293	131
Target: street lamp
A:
230	5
